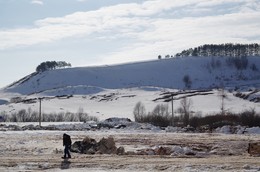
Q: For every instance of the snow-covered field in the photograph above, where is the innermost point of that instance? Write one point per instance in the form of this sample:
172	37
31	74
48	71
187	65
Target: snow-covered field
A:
42	151
121	103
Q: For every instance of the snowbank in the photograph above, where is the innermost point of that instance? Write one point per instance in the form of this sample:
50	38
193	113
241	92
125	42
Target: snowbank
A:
253	130
238	130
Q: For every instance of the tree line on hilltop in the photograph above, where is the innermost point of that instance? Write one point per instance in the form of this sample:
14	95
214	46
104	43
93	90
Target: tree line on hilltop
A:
51	65
220	50
228	50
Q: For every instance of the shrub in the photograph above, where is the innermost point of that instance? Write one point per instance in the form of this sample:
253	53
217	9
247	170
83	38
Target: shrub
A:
187	81
253	67
160	117
250	118
247	118
157	120
240	63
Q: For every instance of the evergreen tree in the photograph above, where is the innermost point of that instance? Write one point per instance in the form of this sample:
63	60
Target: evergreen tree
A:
228	50
51	65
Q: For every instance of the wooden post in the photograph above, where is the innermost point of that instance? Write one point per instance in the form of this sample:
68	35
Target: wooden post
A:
172	112
40	111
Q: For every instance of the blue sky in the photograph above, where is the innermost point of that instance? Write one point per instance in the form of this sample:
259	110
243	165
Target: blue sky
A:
98	32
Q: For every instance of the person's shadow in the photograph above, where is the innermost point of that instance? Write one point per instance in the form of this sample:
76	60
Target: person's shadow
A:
65	164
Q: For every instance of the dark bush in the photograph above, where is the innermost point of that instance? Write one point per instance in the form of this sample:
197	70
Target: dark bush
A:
250	118
160	117
247	118
157	120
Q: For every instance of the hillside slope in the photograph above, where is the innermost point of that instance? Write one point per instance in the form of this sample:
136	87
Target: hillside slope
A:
204	72
113	91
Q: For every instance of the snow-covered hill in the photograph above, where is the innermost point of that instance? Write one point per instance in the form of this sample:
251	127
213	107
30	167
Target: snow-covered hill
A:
167	73
108	91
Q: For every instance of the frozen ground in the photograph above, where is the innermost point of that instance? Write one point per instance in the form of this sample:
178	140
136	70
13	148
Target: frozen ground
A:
42	151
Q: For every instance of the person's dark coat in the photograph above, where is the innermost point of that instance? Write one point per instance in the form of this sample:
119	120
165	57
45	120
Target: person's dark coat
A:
66	140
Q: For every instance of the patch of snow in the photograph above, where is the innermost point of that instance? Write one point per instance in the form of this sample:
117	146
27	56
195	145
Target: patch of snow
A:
178	150
237	130
225	130
253	130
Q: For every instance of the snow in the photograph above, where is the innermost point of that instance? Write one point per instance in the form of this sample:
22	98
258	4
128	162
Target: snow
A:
166	73
122	103
237	130
224	129
253	130
178	150
111	93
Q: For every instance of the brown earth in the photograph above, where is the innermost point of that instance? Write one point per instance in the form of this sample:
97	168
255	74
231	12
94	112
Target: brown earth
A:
42	150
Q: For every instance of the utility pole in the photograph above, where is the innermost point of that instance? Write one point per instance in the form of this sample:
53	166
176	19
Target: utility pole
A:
223	96
40	111
172	111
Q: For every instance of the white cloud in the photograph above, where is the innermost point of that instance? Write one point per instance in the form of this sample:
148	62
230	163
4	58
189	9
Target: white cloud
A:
155	26
38	2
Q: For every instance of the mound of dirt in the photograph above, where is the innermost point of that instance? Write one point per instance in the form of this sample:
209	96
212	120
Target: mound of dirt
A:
91	146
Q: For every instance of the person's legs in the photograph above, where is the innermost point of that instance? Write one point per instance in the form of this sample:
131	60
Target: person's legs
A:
69	154
66	152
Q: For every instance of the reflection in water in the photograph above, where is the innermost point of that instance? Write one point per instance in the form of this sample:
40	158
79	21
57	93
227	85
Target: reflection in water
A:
65	164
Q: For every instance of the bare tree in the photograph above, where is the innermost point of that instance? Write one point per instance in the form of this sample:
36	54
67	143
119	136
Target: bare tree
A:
186	108
160	116
139	111
161	110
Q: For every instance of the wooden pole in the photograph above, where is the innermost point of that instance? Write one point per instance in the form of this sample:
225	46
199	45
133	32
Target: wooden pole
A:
40	111
172	113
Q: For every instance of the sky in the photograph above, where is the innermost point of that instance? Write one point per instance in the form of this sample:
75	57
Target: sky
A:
104	32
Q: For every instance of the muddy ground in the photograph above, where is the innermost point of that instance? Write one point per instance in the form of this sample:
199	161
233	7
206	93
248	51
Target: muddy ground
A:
42	151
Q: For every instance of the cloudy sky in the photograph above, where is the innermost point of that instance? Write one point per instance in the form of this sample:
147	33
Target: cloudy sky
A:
98	32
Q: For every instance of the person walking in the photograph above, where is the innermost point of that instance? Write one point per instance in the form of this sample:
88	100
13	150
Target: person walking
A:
67	144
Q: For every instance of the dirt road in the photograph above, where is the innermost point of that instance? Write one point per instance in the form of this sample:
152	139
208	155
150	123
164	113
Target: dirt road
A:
42	150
